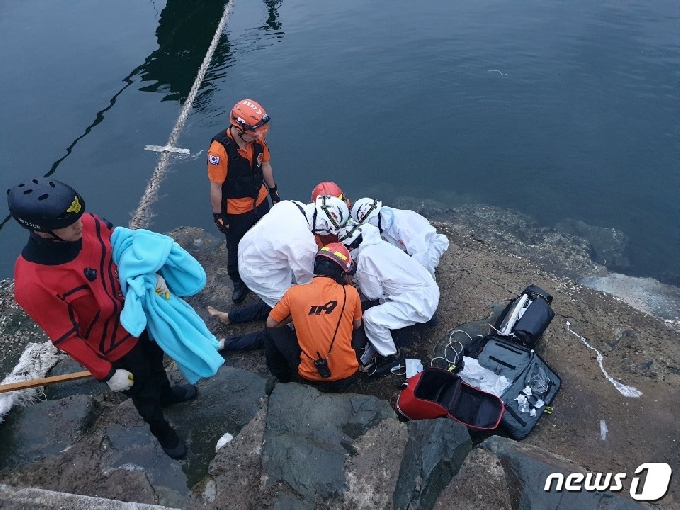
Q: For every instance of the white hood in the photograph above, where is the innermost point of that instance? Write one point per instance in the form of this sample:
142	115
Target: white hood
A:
384	218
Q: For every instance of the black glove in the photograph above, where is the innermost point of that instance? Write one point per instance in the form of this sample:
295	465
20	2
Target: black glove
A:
221	222
274	193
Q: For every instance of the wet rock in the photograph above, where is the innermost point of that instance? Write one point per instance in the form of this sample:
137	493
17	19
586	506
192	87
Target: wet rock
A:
47	428
646	294
308	435
88	386
608	244
435	451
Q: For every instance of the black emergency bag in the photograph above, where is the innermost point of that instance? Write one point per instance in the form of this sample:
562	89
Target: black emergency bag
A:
526	317
533	384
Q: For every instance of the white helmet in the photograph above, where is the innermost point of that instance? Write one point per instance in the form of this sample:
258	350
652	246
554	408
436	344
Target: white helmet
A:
365	208
350	235
330	215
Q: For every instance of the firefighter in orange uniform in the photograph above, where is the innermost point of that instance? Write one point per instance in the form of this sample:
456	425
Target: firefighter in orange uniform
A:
241	177
326	314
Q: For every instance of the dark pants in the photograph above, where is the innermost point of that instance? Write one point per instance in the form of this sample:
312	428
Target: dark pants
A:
257	312
248	342
239	224
283	352
151	386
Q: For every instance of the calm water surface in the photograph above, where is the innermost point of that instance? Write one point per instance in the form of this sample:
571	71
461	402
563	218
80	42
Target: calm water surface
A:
564	109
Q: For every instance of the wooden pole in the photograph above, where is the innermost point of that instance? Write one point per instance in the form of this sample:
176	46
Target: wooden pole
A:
43	381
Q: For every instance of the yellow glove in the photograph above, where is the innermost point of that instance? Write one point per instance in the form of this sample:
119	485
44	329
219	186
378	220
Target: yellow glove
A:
121	380
162	287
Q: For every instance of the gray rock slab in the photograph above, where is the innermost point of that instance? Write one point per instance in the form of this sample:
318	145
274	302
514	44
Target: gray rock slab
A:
12	498
225	403
45	428
433	455
88	386
526	469
234	475
309	434
371	474
481	484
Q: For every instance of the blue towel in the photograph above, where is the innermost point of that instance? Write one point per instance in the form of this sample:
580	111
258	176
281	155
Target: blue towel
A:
172	323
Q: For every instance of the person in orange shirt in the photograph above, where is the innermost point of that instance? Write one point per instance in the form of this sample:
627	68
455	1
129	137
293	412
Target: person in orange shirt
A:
328	188
326	315
241	177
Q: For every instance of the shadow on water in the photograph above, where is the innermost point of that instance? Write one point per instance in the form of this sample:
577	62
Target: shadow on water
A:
273	22
185	31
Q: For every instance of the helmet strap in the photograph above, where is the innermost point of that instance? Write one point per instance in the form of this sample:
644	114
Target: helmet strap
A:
239	134
314	221
51	236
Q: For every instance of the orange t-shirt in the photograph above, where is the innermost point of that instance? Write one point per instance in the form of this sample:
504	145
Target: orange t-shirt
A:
218	166
315	309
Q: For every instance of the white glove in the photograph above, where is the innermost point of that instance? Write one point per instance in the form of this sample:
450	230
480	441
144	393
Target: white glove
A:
121	380
162	287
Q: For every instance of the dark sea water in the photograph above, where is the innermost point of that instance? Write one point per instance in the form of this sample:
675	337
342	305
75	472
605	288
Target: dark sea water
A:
560	110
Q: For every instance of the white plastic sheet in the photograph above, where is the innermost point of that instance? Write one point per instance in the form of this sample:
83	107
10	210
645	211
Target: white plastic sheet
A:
482	378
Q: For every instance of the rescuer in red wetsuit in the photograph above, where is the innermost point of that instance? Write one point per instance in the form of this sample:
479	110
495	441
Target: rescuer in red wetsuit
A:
66	280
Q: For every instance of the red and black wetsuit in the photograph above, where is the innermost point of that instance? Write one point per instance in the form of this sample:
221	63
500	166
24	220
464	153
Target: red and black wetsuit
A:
71	290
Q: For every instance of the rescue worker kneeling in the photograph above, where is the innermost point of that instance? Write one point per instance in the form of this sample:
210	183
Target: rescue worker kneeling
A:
326	315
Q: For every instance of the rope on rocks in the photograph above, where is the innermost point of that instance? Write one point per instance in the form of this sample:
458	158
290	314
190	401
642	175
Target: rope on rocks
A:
35	361
626	391
143	215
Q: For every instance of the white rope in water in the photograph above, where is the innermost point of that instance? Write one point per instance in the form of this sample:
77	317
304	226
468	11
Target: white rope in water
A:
626	391
143	215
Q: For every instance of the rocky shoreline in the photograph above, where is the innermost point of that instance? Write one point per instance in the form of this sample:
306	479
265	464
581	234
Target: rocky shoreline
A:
352	451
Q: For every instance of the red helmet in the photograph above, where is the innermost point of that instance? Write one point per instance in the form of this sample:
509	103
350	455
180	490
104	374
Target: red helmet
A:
250	117
338	254
327	188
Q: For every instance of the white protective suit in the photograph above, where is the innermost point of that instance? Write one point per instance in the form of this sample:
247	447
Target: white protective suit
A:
412	233
277	251
407	292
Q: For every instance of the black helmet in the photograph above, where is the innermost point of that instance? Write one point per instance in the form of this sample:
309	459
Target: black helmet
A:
45	204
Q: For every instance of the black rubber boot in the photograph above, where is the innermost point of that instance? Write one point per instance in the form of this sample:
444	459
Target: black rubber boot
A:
384	365
180	394
240	292
172	445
